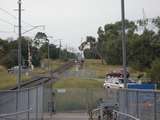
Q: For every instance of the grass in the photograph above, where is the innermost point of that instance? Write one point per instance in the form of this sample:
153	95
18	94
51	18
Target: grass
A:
99	68
81	93
76	99
54	64
102	69
9	80
90	65
77	83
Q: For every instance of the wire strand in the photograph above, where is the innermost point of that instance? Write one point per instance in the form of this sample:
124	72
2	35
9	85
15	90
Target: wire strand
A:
1	31
14	17
5	21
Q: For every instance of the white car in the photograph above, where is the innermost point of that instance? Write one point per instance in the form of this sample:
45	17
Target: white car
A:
15	69
113	82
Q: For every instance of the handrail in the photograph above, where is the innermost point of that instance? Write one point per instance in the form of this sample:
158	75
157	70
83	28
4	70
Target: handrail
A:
94	110
117	112
127	115
16	113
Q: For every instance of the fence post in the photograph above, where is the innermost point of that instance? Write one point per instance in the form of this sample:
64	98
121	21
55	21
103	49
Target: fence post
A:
17	102
155	106
51	100
86	97
42	100
28	105
126	100
137	103
117	99
36	103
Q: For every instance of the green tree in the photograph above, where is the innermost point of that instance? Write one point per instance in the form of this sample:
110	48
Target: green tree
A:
109	41
10	59
154	72
141	51
89	47
101	44
40	39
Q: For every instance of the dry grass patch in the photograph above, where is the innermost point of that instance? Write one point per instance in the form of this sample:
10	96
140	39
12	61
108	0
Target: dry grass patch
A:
74	82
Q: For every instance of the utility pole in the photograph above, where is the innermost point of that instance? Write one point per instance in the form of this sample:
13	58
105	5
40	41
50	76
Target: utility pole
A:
29	56
81	50
19	44
124	44
124	55
144	20
49	68
48	57
66	51
60	45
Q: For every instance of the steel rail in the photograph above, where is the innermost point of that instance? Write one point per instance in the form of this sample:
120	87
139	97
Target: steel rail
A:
44	79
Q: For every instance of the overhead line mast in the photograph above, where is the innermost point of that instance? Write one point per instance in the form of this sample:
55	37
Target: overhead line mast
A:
19	45
124	44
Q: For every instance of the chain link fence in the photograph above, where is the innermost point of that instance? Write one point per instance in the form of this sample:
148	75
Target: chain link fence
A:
39	102
26	104
83	73
80	99
142	104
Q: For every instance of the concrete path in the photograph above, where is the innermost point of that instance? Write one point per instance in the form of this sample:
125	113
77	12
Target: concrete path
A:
70	116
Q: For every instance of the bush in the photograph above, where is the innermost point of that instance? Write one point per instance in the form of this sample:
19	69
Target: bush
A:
10	59
2	69
154	72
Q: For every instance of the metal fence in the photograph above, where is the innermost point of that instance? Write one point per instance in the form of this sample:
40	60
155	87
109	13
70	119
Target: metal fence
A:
26	104
80	74
79	99
13	116
142	104
38	102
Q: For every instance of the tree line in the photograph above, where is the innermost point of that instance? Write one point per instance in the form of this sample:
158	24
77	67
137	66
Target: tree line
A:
38	48
143	46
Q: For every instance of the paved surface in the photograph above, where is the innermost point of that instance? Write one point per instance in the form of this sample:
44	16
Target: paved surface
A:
70	116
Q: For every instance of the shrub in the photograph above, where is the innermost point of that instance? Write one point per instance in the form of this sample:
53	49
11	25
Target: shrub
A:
154	72
2	69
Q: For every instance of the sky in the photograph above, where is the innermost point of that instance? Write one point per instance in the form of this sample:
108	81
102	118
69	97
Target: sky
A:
71	20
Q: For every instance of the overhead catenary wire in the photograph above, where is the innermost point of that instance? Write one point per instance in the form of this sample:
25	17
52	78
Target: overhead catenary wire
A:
5	11
7	22
14	17
1	31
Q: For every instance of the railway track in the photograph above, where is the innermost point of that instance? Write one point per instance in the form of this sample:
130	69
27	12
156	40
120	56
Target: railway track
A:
41	79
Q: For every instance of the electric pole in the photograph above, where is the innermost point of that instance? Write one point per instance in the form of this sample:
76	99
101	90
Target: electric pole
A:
144	20
29	56
66	51
48	57
124	55
124	44
19	44
82	50
60	45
